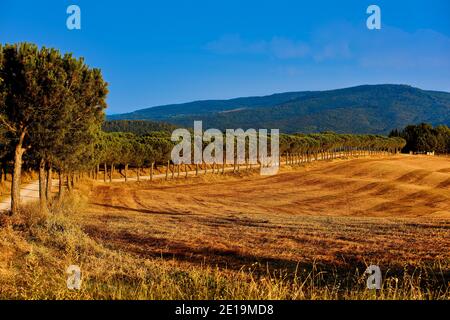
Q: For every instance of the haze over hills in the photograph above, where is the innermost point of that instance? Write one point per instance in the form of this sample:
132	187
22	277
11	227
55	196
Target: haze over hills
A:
363	109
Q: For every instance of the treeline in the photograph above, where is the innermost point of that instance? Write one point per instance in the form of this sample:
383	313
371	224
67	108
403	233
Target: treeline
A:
122	150
138	127
424	138
333	142
293	143
51	111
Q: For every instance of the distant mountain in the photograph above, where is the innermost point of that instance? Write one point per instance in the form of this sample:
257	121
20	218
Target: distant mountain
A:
364	109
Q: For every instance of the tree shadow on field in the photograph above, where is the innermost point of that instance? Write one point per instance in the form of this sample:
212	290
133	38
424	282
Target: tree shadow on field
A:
140	210
147	246
233	259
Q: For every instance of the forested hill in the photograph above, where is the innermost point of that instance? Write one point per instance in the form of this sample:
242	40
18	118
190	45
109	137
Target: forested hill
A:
138	127
363	109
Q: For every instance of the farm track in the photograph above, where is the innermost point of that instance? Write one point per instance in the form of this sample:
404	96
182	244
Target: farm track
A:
28	193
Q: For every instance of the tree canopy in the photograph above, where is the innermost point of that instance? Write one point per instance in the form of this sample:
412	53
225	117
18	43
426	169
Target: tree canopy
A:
425	138
51	108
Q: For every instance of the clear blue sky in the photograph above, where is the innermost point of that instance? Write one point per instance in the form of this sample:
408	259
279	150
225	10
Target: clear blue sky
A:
160	52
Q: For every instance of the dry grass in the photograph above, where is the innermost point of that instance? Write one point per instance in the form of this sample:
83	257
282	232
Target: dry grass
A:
247	237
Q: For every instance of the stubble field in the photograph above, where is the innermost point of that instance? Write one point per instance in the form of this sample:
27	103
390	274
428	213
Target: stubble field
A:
308	232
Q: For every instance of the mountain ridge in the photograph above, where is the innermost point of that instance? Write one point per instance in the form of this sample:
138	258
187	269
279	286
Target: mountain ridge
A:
360	109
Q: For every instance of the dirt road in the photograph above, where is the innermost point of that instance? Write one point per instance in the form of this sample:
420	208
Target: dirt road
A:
28	193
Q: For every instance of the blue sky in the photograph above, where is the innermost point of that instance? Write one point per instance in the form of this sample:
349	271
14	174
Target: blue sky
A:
161	52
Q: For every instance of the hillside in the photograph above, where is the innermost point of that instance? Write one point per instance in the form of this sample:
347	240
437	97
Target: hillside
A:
363	109
137	127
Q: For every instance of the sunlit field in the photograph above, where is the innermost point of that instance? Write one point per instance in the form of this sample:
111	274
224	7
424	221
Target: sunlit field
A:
307	233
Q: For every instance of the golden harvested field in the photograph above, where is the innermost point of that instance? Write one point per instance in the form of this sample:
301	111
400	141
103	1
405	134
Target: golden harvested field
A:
307	233
388	211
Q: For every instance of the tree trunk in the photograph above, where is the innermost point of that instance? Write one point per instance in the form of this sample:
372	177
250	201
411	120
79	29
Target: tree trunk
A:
72	181
3	176
15	184
167	170
61	185
105	172
49	183
2	173
42	188
126	172
69	185
151	171
138	173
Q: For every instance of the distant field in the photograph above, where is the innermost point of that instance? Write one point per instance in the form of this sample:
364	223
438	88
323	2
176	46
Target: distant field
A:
389	211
